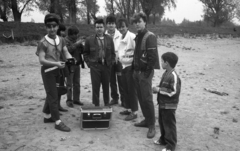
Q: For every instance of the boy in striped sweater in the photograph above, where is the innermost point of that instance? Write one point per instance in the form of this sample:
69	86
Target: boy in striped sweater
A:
168	97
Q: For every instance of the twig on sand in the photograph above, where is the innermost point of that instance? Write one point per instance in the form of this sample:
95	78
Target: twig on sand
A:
84	148
19	147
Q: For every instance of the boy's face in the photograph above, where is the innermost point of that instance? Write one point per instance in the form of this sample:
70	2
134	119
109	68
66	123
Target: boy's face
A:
111	26
123	28
164	64
140	24
52	28
99	28
73	36
62	33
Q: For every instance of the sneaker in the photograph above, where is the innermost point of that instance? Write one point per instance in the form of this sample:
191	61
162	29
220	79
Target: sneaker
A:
62	127
151	132
69	103
78	102
48	120
131	117
60	108
113	102
159	142
166	149
126	112
141	124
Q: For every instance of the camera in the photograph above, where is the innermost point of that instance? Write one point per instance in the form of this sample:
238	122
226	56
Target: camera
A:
70	62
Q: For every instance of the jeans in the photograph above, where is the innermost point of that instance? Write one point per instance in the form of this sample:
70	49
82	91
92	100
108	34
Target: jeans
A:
100	74
51	102
73	84
144	91
115	79
129	90
168	129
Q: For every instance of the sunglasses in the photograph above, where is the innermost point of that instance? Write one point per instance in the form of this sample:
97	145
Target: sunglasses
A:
51	25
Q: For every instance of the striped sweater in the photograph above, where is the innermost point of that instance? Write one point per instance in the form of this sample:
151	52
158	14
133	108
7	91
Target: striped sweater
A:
170	87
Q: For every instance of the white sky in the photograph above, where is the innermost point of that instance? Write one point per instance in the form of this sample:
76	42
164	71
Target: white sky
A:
189	9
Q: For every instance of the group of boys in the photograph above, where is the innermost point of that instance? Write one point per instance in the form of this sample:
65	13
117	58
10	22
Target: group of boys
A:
114	57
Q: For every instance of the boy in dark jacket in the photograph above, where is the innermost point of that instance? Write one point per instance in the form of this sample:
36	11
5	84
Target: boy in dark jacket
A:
168	97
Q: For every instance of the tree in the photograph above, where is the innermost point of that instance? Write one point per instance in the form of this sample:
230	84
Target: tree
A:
17	10
72	11
156	6
91	9
4	10
218	11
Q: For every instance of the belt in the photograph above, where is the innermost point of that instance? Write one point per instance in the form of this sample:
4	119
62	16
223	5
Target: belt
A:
50	69
100	62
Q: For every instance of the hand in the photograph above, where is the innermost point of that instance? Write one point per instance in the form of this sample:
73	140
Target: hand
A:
155	89
60	64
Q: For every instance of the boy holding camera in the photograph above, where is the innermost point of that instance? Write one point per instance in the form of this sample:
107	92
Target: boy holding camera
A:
75	48
49	51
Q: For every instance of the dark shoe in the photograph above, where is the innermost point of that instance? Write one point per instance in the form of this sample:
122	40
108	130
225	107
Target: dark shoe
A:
69	104
78	102
62	127
151	132
159	142
113	102
126	112
141	124
62	109
131	117
48	120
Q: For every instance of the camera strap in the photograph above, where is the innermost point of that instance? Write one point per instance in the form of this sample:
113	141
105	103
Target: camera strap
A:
61	70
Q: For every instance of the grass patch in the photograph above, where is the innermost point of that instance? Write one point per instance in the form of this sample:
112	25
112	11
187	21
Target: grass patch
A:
35	31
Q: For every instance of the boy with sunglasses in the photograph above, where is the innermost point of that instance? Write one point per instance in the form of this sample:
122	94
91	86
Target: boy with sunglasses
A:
49	51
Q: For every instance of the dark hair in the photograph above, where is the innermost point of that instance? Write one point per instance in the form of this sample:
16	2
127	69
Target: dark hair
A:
61	28
136	17
171	58
122	20
99	21
51	17
111	19
72	30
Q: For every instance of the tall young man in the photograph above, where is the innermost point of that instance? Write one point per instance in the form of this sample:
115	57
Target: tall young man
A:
145	61
116	69
99	54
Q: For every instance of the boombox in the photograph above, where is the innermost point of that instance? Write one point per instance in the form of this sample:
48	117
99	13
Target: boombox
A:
95	117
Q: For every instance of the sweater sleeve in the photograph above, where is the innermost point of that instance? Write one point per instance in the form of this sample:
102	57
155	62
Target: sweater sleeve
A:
172	90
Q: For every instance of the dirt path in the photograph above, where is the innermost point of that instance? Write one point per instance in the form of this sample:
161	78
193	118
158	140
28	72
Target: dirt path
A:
206	121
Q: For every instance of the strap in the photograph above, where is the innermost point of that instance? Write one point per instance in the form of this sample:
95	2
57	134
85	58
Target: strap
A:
61	70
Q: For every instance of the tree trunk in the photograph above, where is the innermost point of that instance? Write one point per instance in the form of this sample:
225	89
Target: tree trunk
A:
3	11
16	14
56	9
72	11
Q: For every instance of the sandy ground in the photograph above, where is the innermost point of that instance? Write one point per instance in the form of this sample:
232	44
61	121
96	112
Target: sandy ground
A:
205	121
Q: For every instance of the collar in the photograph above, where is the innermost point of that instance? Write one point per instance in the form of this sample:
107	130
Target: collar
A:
142	32
117	34
51	41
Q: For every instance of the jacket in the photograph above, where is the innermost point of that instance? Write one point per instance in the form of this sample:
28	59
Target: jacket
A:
126	49
75	50
146	53
91	50
116	39
170	88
